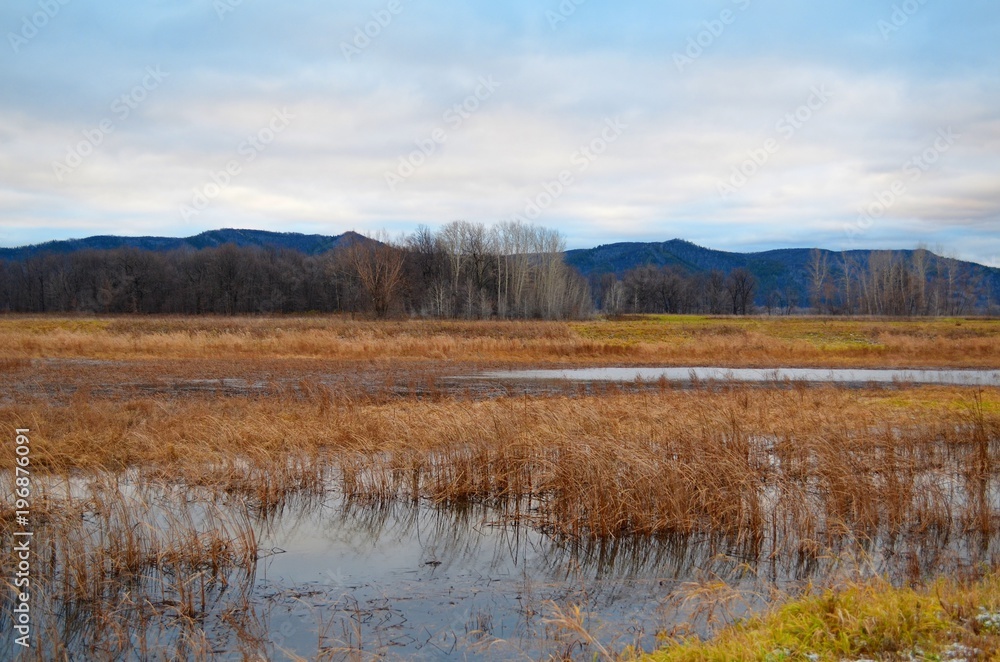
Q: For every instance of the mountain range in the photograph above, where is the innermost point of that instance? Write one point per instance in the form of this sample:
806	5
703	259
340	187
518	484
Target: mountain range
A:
310	244
785	270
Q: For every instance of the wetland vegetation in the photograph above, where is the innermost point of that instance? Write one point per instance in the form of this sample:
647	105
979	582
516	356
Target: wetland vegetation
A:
313	487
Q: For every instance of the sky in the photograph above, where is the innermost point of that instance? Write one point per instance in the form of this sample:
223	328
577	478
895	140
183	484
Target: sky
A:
736	124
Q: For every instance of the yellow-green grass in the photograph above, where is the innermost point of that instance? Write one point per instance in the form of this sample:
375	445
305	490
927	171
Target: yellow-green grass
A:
862	620
824	333
945	400
49	324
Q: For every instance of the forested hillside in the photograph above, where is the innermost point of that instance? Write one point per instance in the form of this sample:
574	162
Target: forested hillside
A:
678	276
463	270
310	244
469	270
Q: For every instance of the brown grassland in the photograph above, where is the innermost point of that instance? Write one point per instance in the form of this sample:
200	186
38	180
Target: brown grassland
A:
653	462
792	472
647	340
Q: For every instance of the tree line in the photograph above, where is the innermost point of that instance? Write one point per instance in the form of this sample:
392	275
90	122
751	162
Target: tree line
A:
671	290
510	270
878	283
892	283
465	270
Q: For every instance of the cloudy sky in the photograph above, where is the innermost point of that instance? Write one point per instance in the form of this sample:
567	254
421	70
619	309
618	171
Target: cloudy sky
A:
736	124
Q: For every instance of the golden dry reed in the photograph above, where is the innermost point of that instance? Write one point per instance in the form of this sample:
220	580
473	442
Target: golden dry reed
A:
122	570
802	466
673	340
146	515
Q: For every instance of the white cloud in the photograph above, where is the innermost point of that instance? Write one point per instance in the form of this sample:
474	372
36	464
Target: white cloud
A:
353	121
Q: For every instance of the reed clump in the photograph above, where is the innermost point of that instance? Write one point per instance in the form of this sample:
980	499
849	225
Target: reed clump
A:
120	569
797	469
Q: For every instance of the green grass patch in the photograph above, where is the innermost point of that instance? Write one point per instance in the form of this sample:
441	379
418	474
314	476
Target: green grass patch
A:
41	325
936	398
824	333
869	620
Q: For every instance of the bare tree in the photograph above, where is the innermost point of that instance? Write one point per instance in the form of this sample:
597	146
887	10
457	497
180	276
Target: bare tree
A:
379	268
741	286
848	271
818	272
715	292
920	262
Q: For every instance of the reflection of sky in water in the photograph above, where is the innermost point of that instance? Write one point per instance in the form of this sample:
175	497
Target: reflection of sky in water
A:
824	375
419	581
425	578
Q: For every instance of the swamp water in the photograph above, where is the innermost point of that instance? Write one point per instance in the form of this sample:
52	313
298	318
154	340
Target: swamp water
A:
336	579
758	375
320	576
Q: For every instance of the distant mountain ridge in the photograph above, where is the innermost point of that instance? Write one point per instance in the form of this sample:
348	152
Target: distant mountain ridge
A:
785	270
310	244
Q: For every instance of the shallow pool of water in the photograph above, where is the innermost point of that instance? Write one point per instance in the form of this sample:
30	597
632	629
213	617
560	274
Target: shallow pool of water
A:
419	580
415	581
758	375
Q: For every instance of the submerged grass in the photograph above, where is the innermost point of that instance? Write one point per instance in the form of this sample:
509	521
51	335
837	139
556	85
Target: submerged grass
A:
797	467
120	570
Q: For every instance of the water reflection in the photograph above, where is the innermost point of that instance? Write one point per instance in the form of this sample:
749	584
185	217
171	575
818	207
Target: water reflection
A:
415	579
817	375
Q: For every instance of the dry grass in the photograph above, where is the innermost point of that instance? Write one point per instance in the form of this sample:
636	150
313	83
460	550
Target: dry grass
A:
804	341
789	474
120	570
689	340
799	468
